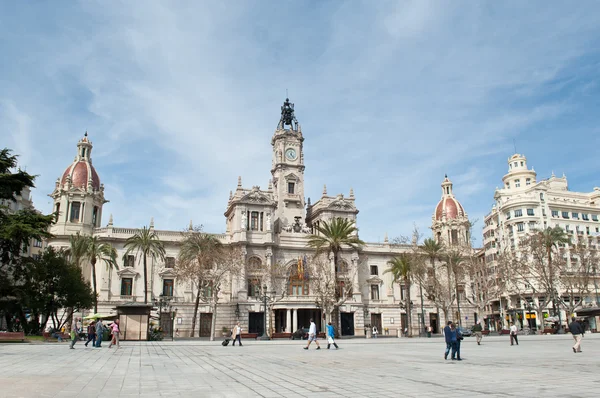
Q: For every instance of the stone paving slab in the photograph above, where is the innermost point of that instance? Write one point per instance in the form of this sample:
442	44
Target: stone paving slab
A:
541	366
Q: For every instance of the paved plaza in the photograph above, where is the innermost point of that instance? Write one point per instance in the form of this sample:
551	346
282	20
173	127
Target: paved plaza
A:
541	366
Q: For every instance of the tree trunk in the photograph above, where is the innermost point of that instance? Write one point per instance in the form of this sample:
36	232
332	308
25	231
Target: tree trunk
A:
145	280
196	304
93	262
437	307
213	322
408	309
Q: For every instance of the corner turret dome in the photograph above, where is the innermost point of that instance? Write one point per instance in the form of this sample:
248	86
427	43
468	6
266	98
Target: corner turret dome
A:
448	207
81	173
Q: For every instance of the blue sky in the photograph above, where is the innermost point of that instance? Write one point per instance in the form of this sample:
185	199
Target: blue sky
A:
181	97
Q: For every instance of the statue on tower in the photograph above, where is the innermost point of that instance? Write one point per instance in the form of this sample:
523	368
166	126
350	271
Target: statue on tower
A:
287	115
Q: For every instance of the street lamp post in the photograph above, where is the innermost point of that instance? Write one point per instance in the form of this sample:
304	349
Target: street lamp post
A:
264	297
164	302
422	328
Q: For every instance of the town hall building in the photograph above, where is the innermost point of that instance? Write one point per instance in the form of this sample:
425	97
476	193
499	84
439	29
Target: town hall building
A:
271	226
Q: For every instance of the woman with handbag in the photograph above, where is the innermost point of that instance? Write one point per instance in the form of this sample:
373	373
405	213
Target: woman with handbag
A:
331	336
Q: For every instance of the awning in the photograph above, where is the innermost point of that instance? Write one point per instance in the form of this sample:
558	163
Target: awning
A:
588	312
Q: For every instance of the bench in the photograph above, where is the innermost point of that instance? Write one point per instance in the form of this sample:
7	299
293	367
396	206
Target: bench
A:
249	335
282	335
48	336
504	331
549	331
485	332
12	336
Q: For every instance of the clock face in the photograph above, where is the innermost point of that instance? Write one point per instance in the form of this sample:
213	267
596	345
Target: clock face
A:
290	153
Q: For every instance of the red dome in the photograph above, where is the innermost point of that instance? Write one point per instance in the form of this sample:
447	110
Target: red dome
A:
452	207
79	172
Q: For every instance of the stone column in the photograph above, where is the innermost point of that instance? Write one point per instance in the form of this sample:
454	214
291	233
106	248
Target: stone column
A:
295	320
288	321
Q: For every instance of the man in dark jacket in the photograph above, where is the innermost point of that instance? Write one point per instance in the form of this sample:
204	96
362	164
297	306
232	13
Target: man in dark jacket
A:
577	332
450	336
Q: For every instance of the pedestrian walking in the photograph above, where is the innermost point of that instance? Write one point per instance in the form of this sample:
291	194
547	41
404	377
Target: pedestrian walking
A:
99	332
477	331
577	332
513	334
114	327
236	334
331	336
312	335
450	338
75	330
91	334
375	332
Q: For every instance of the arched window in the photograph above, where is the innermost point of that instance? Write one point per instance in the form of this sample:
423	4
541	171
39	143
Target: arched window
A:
342	266
254	264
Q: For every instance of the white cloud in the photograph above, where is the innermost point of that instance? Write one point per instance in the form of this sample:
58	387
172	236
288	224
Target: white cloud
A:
179	100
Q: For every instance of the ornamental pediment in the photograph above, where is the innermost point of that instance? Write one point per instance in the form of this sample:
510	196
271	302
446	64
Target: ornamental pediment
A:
256	197
375	280
127	272
341	204
167	273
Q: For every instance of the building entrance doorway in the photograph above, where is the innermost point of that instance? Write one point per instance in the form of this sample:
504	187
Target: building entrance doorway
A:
347	321
376	321
205	325
304	317
256	322
280	321
434	322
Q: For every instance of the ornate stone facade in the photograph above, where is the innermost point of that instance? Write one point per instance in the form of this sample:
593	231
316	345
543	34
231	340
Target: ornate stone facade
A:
272	226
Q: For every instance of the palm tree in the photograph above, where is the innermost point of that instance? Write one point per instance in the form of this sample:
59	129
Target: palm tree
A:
402	269
78	245
197	254
98	251
77	249
146	242
551	238
433	250
334	236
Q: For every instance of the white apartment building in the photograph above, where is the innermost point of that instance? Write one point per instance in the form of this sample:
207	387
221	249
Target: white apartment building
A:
525	204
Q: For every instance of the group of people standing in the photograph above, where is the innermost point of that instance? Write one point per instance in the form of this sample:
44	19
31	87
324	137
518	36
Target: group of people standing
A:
453	337
95	330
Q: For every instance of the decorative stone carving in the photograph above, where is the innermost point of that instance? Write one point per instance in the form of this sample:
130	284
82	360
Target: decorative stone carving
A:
244	220
268	222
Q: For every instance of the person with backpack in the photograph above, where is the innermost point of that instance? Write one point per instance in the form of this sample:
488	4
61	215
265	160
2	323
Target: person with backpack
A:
478	332
91	332
75	330
331	336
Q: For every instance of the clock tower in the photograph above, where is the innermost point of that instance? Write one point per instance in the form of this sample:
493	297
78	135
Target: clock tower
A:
288	171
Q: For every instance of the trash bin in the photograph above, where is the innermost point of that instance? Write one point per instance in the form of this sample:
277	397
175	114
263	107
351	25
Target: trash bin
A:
428	334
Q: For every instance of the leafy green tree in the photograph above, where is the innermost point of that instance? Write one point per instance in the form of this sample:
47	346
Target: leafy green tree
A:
197	256
403	268
48	285
99	251
17	229
145	242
